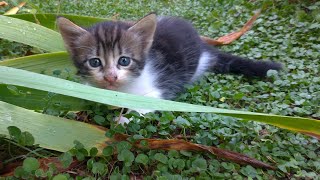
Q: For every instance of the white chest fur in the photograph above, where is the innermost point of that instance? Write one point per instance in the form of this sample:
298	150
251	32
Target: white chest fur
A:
144	85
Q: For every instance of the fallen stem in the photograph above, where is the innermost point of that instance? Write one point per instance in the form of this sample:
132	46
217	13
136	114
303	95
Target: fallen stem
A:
177	144
229	38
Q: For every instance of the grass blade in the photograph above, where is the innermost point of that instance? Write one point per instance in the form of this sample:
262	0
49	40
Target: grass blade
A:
60	86
41	100
43	63
30	33
48	63
48	20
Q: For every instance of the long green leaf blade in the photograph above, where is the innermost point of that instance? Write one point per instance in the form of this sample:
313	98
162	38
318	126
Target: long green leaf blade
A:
43	63
49	131
41	100
48	64
48	20
30	33
60	86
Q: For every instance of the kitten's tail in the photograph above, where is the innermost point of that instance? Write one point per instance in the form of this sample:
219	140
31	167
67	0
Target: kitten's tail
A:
227	63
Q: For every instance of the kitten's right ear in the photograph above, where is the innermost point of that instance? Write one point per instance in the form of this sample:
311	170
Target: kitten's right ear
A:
146	28
70	32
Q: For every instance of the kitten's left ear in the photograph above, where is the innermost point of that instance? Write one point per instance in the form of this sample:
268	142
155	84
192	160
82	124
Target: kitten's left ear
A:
146	28
70	32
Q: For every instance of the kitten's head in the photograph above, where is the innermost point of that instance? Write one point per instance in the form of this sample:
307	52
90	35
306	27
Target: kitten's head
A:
109	54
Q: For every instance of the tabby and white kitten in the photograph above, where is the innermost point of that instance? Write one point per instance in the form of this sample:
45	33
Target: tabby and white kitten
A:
155	56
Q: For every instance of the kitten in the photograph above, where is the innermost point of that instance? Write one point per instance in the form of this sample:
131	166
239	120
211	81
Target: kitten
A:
155	56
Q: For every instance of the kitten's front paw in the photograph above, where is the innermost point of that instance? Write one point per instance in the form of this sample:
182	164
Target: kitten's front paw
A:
122	120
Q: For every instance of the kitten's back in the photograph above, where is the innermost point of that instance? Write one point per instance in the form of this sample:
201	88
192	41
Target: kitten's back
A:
175	54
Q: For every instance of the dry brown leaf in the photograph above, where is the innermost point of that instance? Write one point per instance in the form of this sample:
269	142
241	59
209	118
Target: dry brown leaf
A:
229	38
14	10
3	4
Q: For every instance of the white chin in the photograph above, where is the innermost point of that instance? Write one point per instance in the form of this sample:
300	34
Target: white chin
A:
111	87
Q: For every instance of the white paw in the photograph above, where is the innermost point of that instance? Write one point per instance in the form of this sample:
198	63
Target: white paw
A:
142	112
122	120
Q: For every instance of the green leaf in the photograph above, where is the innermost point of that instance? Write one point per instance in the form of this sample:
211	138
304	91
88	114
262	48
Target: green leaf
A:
161	158
151	128
99	119
23	138
26	139
186	153
60	86
93	151
173	154
142	158
144	143
14	132
200	164
108	151
126	156
99	168
77	145
182	122
179	164
37	36
39	173
30	164
60	177
123	145
66	159
21	172
249	171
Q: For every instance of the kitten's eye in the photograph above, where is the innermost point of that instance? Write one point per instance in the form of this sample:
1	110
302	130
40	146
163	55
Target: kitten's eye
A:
124	61
95	62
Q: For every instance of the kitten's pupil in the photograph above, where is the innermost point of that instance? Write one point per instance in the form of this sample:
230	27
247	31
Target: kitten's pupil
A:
124	61
95	62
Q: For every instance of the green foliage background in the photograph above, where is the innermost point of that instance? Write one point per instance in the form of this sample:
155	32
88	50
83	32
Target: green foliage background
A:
286	32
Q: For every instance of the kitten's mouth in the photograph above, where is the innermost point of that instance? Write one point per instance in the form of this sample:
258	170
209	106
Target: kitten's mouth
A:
111	86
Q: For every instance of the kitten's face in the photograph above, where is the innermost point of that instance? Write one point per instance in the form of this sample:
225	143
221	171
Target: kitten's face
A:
112	54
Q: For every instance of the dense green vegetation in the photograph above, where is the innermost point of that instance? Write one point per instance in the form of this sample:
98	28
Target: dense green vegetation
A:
287	32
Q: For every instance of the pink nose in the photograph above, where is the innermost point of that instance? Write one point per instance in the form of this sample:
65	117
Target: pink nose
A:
111	78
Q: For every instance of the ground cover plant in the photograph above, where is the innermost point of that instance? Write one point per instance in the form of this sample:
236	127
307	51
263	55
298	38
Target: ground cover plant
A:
286	32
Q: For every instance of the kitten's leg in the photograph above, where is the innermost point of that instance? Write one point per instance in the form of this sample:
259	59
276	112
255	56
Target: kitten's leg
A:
147	89
123	120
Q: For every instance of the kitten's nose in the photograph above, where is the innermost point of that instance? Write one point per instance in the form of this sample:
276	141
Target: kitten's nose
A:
111	78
